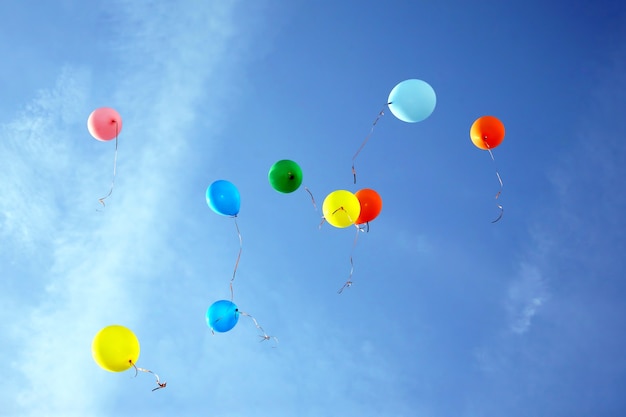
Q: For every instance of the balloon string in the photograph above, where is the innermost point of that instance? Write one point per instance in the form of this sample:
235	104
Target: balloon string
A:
232	295
101	200
347	214
264	336
340	208
312	198
158	381
367	138
348	282
501	186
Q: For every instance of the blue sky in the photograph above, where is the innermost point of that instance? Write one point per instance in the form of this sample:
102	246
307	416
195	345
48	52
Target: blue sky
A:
449	314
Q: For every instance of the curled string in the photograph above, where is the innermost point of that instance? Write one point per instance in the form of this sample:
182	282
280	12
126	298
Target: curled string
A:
348	282
101	200
232	295
158	381
312	198
367	138
501	186
263	336
339	209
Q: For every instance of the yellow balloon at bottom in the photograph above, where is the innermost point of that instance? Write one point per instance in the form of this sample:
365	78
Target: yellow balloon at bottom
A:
115	348
341	208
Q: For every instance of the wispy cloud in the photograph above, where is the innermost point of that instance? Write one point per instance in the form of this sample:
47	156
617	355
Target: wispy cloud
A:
36	157
526	295
89	276
571	275
584	228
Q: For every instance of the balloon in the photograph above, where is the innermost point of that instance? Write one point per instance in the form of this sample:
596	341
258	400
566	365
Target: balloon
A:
115	348
487	132
222	316
371	205
285	176
104	123
223	198
341	208
412	100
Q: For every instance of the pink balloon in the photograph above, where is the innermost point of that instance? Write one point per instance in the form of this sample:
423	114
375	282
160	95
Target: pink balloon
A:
104	123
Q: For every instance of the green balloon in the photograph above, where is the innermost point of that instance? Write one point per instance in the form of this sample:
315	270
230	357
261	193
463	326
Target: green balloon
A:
285	176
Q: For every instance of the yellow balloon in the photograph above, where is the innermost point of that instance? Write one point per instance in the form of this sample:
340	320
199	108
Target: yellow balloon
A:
115	348
341	208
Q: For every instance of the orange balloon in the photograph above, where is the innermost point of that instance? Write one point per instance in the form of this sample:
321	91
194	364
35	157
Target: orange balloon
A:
371	205
487	132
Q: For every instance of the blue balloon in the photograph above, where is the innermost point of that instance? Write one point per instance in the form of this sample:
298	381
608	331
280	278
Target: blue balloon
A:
412	100
223	198
222	316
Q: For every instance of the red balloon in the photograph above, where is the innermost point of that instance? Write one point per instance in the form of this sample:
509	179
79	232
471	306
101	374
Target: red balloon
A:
104	123
371	205
487	132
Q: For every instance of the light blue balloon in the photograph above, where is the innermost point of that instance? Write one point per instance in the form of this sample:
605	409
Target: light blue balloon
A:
412	100
223	198
222	316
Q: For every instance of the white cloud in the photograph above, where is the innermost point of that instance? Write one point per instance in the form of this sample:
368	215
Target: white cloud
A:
571	276
90	268
526	295
35	159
